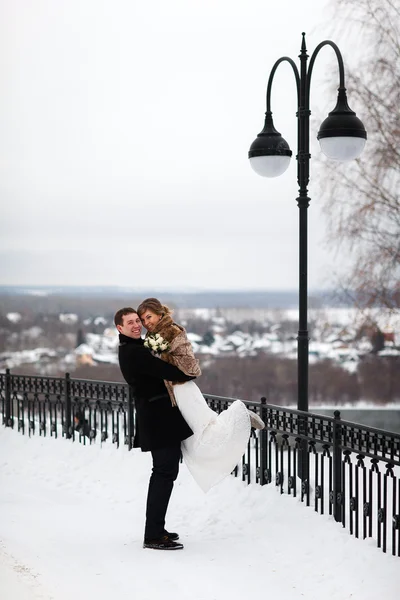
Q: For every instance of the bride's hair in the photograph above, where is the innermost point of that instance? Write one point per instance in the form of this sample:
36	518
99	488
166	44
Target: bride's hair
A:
155	306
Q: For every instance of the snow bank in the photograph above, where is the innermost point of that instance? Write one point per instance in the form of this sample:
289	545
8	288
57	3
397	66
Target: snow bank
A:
72	517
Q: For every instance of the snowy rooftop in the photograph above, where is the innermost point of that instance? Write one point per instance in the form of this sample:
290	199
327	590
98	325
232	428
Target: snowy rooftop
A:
14	317
83	349
68	318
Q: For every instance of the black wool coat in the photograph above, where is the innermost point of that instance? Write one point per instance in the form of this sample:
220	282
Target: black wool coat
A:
158	423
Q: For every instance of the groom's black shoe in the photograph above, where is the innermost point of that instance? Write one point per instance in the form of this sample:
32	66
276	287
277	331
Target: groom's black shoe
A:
172	536
163	543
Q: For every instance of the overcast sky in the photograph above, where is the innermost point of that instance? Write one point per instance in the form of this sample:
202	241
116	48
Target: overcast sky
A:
124	132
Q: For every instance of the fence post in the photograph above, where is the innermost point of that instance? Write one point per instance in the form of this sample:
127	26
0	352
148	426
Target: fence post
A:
8	421
68	407
131	422
303	465
263	444
337	467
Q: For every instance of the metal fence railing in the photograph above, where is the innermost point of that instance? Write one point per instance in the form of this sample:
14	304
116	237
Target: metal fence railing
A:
73	408
347	470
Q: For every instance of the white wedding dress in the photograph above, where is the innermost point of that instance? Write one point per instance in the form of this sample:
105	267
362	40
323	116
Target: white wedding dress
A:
218	441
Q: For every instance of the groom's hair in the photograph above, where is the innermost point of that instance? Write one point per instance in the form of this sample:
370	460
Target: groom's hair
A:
119	315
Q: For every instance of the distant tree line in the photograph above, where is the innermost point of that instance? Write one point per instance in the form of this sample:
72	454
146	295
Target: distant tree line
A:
377	379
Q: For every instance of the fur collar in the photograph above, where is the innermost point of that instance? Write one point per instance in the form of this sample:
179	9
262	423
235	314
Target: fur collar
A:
167	328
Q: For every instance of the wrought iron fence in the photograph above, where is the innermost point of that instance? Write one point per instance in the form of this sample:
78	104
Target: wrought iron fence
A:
73	408
347	470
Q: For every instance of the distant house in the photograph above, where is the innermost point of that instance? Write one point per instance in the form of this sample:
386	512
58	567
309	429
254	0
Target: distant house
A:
99	321
388	337
83	355
14	317
68	318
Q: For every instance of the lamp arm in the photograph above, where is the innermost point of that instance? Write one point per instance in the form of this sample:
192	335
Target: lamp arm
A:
312	61
271	76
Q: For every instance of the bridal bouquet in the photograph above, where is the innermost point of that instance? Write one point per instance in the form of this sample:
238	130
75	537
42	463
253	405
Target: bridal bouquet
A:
156	343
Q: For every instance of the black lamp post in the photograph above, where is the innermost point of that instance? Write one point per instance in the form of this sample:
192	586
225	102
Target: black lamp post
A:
342	137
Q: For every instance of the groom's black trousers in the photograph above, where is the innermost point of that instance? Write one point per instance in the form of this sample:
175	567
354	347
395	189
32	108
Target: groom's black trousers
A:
165	471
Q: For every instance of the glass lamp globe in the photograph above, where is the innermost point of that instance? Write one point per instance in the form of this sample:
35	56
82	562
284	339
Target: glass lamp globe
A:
342	148
342	135
270	166
269	154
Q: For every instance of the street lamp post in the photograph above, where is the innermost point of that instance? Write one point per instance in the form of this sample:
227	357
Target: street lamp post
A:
342	137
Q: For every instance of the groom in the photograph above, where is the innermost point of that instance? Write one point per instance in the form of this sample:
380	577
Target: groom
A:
160	427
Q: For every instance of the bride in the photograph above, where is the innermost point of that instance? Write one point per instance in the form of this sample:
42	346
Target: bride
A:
219	440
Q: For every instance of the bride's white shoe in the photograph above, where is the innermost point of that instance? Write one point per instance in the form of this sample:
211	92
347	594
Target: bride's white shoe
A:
255	420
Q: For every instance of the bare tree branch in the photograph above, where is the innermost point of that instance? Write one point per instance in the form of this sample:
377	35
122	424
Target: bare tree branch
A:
363	204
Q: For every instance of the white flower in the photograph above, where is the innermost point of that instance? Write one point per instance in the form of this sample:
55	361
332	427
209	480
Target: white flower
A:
156	343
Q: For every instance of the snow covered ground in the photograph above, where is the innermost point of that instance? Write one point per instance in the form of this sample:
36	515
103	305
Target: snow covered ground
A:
71	525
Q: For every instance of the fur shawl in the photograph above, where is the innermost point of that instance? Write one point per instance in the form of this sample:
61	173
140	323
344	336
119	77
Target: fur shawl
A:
180	353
